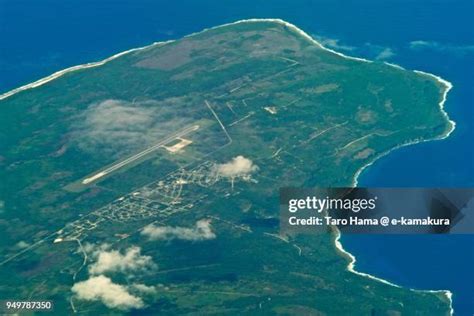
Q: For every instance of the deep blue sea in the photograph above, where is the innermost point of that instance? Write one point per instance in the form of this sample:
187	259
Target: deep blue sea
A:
437	36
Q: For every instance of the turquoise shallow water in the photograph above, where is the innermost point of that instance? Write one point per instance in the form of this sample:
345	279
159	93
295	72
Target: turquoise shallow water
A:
39	38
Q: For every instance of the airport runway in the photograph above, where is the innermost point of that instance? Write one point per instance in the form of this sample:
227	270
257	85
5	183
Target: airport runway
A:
133	158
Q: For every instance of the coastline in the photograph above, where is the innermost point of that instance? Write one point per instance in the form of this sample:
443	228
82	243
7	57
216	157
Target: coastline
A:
351	268
60	73
338	245
448	86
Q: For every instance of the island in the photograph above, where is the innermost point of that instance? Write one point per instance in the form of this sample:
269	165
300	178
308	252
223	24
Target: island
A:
149	181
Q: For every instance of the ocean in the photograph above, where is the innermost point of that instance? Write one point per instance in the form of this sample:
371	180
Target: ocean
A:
437	36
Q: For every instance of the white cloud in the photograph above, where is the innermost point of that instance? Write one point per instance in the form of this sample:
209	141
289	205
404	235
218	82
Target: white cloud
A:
333	43
386	53
22	244
376	51
201	231
101	288
118	127
423	44
437	46
368	49
113	261
145	289
238	166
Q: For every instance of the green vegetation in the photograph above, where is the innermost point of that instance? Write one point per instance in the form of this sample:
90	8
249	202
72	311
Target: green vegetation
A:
299	115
